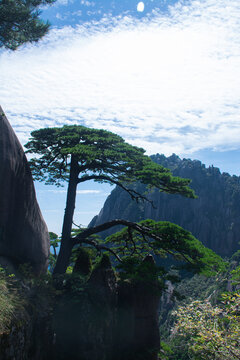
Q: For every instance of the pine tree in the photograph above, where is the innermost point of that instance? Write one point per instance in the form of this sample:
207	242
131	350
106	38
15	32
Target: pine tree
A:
20	22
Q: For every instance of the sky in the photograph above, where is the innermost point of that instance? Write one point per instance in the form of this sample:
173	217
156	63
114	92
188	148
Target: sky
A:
163	74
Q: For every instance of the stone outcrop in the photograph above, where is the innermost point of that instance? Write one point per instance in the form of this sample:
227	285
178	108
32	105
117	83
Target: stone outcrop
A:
23	232
213	218
137	330
84	317
31	340
92	317
26	333
106	319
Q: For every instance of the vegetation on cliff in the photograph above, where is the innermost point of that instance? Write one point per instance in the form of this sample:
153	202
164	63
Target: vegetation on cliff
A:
204	323
11	301
212	330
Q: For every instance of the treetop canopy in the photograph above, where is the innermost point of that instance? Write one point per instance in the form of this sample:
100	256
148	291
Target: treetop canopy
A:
99	155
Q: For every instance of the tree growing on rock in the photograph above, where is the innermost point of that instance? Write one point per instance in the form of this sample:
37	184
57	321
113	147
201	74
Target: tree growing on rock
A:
20	22
77	154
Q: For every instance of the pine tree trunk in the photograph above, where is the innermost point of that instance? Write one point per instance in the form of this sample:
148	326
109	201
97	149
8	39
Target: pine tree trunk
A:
66	243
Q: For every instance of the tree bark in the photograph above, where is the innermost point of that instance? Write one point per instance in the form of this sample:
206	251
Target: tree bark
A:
66	242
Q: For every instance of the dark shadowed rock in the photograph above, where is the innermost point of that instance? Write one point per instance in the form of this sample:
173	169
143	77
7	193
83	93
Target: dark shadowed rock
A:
85	316
137	324
106	319
23	232
83	263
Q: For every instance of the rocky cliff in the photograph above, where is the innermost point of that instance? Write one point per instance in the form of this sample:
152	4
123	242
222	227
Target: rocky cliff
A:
213	218
23	232
107	318
25	318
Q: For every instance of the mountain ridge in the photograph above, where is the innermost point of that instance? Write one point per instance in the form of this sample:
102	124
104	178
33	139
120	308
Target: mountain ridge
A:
214	217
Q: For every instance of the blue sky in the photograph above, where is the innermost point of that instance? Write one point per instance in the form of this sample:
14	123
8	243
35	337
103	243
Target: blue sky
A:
166	78
72	12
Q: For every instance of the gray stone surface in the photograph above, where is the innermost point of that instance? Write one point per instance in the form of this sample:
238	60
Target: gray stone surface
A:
23	233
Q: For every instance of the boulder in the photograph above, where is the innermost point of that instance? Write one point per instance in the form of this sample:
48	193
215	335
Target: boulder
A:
23	233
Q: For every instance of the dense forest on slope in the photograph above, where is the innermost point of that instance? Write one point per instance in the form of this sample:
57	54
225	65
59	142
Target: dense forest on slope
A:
213	218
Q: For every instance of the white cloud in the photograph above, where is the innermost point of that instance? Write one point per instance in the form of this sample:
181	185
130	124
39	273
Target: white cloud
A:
77	13
92	213
81	192
87	192
87	3
166	83
55	191
62	16
59	3
62	2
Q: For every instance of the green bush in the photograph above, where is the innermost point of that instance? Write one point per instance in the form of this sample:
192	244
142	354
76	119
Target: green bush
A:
11	301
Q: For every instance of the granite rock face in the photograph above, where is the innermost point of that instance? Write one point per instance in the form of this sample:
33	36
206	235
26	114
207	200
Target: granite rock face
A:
213	218
23	233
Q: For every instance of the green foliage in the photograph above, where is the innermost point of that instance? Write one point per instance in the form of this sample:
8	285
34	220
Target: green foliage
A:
165	351
133	267
137	271
236	276
42	284
195	288
85	253
20	22
54	244
53	237
69	270
130	246
200	287
101	155
212	331
163	238
52	262
104	262
23	300
236	256
11	300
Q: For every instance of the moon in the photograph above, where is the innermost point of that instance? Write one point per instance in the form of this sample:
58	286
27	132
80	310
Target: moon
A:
140	6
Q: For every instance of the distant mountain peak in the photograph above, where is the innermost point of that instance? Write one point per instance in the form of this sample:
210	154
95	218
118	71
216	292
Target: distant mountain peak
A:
214	218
